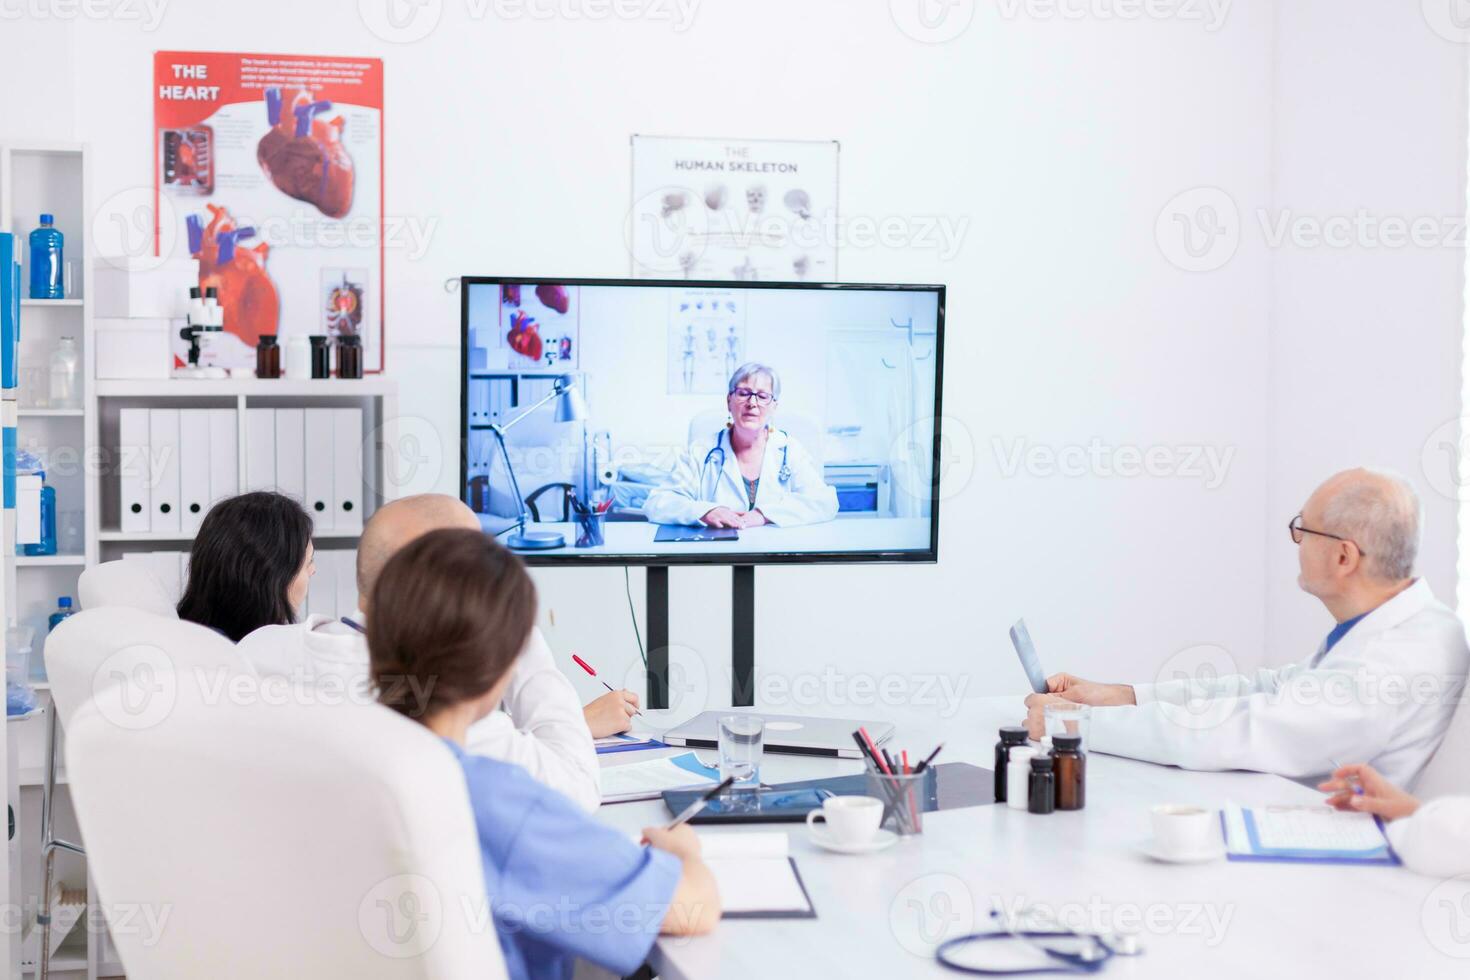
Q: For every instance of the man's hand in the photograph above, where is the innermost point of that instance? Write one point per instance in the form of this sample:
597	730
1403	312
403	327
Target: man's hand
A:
682	841
753	518
611	714
1090	692
1035	712
722	517
1379	797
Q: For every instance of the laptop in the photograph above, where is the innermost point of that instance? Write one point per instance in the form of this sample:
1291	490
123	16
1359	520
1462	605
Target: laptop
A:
683	532
793	734
1026	650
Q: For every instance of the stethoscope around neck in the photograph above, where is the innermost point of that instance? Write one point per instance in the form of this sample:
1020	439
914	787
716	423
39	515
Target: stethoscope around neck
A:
783	475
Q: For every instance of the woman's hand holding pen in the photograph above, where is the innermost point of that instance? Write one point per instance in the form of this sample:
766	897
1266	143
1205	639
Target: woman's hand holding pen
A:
1362	788
611	714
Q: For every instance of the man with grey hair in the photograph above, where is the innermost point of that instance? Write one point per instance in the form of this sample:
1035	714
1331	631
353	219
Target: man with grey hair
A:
1381	688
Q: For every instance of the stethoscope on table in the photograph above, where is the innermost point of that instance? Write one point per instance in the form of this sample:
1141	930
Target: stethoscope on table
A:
783	475
1091	954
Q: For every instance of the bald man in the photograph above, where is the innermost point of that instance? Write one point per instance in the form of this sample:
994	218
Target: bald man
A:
1381	688
541	725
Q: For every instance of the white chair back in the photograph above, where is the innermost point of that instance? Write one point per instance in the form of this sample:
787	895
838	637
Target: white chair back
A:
108	646
1448	771
278	834
131	584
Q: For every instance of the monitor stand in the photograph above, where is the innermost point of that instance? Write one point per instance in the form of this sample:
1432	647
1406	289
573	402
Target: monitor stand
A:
742	635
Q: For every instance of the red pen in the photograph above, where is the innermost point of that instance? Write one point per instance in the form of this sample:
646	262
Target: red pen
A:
905	762
589	669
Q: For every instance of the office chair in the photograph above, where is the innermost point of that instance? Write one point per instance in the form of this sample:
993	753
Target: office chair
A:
312	839
567	491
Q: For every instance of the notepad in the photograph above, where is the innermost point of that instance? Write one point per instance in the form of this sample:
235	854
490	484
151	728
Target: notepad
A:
756	876
648	779
1304	833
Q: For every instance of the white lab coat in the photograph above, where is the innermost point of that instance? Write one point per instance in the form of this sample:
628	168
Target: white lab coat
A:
1384	695
702	483
1436	839
539	726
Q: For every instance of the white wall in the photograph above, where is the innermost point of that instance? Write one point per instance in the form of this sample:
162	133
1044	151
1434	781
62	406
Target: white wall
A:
1053	143
1365	346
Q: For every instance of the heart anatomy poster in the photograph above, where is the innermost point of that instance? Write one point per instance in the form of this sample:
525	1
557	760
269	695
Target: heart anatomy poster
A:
744	210
270	168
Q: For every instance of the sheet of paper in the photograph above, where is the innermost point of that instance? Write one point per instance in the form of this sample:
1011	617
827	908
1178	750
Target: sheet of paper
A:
758	885
646	780
742	845
1315	828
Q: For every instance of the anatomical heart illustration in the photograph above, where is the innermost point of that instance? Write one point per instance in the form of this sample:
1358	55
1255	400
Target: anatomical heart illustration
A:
303	154
251	304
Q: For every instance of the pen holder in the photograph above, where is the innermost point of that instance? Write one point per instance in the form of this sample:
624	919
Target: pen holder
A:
590	529
903	799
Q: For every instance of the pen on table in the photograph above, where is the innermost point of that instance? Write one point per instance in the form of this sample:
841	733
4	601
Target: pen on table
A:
1354	782
588	668
693	809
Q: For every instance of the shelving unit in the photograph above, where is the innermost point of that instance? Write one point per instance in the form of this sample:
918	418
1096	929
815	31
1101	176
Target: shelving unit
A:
54	177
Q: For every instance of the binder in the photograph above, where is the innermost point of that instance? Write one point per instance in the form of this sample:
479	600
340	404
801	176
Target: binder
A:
321	595
347	474
319	457
291	452
224	457
346	581
163	470
193	468
135	504
260	449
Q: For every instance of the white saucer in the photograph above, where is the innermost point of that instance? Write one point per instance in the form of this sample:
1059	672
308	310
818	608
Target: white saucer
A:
1212	853
884	838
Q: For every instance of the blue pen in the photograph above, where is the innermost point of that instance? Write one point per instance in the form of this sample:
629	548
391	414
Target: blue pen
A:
1353	781
354	624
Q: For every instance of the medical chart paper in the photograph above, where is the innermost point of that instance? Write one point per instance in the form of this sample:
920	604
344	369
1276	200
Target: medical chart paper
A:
647	780
1304	833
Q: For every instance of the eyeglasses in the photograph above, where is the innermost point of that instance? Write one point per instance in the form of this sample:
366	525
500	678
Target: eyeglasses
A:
746	394
1297	530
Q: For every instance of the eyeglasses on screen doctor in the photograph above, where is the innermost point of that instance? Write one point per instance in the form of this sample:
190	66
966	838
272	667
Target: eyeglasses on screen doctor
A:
746	394
1298	530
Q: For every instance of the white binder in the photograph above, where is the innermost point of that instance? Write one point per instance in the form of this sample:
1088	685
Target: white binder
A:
346	581
135	504
224	457
163	469
347	475
260	449
193	468
321	595
319	458
291	452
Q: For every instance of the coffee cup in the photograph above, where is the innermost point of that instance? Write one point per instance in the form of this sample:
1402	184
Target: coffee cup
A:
850	820
1182	830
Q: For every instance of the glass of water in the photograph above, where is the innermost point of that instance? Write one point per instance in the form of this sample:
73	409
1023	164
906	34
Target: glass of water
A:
742	738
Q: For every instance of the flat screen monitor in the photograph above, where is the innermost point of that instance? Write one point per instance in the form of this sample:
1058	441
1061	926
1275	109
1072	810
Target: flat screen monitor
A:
686	422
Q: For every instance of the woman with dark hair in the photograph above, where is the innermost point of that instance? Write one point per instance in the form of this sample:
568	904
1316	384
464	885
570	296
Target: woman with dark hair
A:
250	565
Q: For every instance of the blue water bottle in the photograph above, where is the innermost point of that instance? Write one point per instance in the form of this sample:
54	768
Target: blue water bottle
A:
63	610
47	544
46	278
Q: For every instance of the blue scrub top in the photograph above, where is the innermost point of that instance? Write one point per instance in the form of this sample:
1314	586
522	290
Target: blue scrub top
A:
561	884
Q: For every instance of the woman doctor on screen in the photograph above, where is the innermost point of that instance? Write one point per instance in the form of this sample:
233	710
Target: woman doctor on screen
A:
748	473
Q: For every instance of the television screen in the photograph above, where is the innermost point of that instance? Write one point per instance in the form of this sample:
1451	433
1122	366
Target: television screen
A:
667	422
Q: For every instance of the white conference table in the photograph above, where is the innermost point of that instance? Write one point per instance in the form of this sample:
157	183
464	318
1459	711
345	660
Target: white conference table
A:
883	914
852	534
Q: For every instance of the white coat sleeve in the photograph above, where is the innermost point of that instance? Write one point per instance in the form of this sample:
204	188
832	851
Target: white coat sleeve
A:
679	503
1294	729
541	728
1436	839
808	500
1267	680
